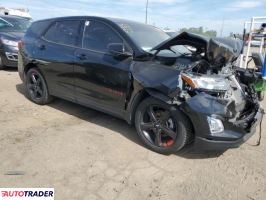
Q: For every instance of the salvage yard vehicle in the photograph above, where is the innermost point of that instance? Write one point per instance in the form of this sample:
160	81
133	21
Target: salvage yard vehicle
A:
176	91
12	29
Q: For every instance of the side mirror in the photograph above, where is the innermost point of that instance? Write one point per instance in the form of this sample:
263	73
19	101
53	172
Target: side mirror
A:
118	50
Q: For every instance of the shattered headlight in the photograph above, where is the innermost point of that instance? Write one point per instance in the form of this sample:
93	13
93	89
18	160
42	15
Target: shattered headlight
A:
206	82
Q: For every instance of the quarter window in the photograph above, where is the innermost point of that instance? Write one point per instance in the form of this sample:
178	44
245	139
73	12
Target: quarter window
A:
64	32
97	36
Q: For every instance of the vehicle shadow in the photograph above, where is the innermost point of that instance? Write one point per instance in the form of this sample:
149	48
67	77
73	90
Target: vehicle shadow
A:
114	124
10	69
191	152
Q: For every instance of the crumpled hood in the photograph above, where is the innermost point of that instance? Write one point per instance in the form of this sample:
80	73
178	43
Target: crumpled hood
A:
223	50
217	50
14	36
184	38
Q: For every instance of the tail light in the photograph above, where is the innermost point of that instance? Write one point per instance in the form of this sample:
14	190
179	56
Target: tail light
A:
20	44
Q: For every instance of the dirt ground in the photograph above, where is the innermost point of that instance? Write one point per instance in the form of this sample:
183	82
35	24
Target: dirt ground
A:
86	155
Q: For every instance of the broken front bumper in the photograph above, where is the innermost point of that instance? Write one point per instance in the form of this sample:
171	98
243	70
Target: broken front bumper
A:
236	139
200	107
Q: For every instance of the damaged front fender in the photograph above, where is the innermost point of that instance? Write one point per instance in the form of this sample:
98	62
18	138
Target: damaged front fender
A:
151	75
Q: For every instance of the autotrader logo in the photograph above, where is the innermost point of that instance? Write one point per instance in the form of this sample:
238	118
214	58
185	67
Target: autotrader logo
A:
26	193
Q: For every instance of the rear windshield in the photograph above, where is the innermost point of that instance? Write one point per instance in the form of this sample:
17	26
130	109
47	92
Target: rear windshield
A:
14	24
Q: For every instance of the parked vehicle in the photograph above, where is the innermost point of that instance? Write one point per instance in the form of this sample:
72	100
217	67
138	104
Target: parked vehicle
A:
12	29
21	12
173	95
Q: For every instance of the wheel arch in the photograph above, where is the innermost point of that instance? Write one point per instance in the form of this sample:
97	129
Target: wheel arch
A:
25	70
134	102
150	92
30	66
140	96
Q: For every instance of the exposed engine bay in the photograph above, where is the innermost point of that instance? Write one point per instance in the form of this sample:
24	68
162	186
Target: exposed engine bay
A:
209	67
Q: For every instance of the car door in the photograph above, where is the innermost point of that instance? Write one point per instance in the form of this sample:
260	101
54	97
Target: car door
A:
101	79
57	48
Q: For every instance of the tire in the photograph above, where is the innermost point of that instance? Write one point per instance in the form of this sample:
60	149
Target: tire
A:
261	96
1	64
166	131
36	87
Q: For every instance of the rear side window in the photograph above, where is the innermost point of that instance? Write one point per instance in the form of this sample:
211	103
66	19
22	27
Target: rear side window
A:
37	28
97	36
64	32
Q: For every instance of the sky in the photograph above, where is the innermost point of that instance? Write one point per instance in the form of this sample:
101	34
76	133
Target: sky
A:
174	14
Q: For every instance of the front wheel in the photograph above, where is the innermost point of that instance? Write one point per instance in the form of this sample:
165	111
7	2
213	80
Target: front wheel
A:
36	88
163	128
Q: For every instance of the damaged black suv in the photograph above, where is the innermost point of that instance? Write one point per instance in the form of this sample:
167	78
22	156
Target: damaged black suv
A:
180	90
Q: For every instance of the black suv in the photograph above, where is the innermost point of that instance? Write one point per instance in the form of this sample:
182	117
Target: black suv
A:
12	29
176	91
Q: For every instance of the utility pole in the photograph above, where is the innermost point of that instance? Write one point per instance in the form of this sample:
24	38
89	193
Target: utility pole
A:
222	28
147	5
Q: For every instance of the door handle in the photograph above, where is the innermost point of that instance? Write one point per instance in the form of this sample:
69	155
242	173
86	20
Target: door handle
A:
81	56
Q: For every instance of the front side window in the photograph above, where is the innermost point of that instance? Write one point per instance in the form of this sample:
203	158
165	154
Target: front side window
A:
97	36
64	32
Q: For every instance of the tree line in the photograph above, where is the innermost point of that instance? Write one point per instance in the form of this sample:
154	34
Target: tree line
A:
210	33
200	30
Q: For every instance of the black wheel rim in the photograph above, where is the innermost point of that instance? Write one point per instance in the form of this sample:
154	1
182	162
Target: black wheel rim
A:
35	86
158	126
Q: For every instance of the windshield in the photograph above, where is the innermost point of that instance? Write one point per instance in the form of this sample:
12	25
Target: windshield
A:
14	24
145	36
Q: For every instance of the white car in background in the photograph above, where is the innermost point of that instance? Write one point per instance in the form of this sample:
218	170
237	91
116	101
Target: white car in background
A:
20	12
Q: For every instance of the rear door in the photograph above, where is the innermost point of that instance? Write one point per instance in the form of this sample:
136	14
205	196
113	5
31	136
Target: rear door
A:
57	48
101	79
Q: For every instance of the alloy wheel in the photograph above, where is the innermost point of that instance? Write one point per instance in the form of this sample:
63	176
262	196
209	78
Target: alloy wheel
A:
35	86
158	126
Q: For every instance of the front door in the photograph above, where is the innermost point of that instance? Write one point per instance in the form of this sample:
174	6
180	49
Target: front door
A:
101	80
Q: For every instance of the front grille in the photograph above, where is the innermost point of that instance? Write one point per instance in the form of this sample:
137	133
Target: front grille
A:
12	56
247	117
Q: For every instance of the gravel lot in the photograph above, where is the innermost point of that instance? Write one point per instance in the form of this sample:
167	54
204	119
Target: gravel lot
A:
85	154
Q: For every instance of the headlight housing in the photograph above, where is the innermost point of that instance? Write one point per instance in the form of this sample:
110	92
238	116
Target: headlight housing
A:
206	82
9	42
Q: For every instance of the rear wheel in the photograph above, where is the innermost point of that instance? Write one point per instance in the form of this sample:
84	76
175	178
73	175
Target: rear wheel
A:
36	88
162	128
